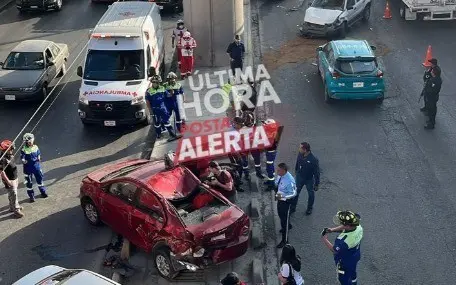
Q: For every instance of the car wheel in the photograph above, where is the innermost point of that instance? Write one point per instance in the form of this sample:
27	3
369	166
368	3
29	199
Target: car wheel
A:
366	13
44	93
91	212
63	70
379	101
402	11
328	99
58	5
164	264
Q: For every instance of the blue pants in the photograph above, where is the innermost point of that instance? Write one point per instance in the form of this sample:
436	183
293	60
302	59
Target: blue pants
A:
310	191
270	158
346	275
161	116
38	173
172	106
256	154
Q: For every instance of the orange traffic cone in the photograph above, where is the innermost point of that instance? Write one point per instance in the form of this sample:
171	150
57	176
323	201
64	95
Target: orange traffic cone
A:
387	14
428	57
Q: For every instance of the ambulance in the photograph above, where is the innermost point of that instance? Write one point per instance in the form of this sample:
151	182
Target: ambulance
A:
124	50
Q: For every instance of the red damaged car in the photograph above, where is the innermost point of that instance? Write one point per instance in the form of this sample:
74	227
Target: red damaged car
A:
154	208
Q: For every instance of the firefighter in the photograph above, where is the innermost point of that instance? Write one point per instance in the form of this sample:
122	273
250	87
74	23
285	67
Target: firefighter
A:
178	32
174	100
240	158
8	173
346	248
31	158
155	97
186	45
270	127
249	122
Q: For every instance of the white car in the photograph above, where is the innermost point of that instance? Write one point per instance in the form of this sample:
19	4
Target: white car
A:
329	18
55	275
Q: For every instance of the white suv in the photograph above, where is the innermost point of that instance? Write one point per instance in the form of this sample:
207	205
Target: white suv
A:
333	17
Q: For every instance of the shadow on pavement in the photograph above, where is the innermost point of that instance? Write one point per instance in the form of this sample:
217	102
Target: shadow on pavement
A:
52	241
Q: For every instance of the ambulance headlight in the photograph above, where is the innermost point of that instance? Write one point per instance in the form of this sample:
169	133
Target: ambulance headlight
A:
138	100
83	100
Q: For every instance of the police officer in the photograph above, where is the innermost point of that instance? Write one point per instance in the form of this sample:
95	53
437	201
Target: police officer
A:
155	97
307	171
271	153
286	191
175	94
427	75
431	95
346	248
31	158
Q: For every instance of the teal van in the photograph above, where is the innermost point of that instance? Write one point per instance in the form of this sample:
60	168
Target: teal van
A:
350	71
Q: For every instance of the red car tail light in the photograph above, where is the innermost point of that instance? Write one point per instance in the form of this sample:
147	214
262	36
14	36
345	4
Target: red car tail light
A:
335	74
379	74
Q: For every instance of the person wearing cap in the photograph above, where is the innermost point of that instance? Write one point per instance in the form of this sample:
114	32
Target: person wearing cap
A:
186	45
427	75
236	51
346	248
178	33
8	172
231	279
285	192
31	158
431	95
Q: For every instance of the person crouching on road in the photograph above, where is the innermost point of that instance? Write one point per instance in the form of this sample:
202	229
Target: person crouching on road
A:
290	265
223	181
155	97
231	279
346	248
8	172
175	100
286	191
31	158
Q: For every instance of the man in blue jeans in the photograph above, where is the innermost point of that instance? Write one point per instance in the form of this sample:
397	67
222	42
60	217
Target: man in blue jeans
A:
307	173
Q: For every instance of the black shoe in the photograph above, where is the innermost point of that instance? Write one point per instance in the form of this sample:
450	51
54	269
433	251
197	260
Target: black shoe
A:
281	244
247	177
289	228
429	127
44	195
292	211
309	212
260	175
32	200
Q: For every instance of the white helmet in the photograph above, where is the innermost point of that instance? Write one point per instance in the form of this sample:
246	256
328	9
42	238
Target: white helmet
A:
269	122
187	35
28	137
180	22
171	75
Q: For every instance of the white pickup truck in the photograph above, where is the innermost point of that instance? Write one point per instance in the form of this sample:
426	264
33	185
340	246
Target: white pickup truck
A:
428	9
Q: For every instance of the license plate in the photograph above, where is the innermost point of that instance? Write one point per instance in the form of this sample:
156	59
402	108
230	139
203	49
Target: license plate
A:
160	7
222	236
34	7
110	123
358	84
10	97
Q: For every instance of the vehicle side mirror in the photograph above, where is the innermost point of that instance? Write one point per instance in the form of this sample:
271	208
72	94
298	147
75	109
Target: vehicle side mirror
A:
319	48
79	71
151	72
373	47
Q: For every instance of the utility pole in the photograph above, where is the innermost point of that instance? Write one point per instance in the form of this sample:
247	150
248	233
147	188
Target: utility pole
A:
213	24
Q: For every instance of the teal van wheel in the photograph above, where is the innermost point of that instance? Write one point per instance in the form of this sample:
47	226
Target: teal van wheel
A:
328	99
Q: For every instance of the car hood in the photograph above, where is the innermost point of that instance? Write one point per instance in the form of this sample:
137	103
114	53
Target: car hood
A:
113	90
19	78
321	16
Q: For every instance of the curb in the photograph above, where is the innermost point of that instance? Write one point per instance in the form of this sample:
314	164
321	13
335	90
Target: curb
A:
257	272
4	5
256	234
276	225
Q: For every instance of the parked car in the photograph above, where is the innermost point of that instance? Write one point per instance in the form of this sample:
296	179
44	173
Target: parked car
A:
329	18
169	5
52	274
154	208
29	69
38	5
350	70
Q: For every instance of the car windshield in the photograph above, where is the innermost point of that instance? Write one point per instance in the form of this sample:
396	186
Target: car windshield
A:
357	66
328	4
24	61
114	65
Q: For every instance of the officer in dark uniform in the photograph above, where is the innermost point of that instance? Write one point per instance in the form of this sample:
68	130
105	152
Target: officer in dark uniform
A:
427	75
431	96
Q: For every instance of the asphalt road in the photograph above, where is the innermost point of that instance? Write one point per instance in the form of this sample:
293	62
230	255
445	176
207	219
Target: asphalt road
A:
54	230
375	160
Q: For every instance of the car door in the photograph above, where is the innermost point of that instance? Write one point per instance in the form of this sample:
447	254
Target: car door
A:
148	219
58	55
355	12
324	64
51	69
116	204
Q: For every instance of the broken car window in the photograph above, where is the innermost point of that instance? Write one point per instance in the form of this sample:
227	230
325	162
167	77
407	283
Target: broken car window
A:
123	190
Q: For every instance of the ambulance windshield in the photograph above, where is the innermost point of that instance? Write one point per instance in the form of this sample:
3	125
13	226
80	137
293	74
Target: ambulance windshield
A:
114	65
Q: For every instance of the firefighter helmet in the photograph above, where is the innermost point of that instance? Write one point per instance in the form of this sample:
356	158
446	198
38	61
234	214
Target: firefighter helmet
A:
28	137
187	34
171	75
249	118
346	218
6	144
238	121
156	79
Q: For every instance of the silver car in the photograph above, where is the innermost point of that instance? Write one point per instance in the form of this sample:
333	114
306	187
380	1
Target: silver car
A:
55	275
29	69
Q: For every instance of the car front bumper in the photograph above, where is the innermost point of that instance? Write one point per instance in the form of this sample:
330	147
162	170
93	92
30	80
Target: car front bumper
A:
16	95
131	115
309	29
42	6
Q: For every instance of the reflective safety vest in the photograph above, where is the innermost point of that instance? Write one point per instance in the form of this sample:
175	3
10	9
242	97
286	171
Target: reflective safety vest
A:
156	97
352	239
30	154
177	88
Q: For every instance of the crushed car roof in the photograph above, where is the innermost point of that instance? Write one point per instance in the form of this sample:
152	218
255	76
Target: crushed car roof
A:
32	46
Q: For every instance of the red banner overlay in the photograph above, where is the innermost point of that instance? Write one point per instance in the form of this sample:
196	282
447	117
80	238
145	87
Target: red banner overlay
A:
217	137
